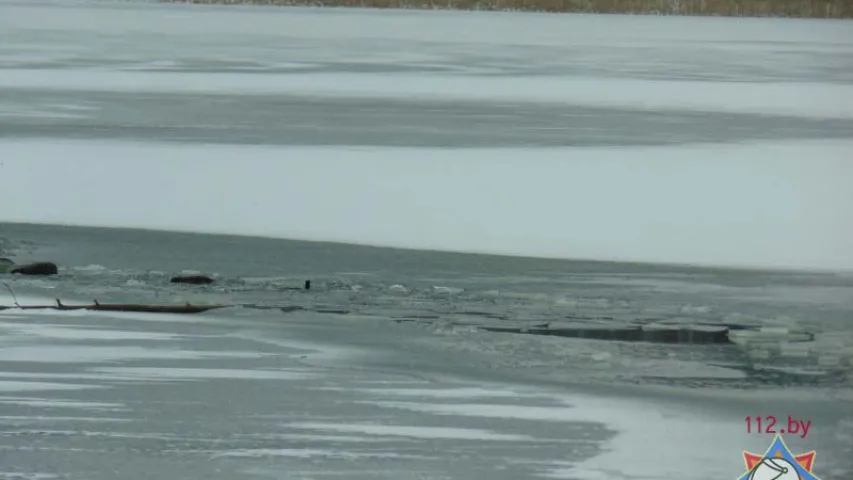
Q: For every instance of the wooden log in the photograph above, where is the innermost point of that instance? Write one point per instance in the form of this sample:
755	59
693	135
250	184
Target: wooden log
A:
123	307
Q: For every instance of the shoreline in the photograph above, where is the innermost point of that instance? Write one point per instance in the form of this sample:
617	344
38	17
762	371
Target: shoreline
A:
812	9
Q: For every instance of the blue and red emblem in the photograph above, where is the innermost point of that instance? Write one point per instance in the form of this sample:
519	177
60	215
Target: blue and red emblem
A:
778	463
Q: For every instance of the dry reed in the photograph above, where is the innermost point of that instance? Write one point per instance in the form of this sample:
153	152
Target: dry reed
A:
733	8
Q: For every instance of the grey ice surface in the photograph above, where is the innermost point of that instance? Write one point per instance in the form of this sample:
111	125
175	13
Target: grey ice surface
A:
382	371
249	397
297	120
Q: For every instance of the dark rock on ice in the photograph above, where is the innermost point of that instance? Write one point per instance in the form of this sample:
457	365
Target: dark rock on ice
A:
38	268
192	279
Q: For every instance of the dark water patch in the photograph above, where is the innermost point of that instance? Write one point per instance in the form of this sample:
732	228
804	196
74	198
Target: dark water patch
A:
287	309
585	317
495	316
333	311
671	335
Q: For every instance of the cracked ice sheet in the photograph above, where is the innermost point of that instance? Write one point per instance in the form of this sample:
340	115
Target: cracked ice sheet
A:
643	448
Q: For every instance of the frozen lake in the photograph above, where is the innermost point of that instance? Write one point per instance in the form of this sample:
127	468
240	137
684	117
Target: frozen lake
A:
709	141
269	76
631	138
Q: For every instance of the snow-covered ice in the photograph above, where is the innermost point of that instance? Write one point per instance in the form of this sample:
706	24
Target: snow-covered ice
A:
720	204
